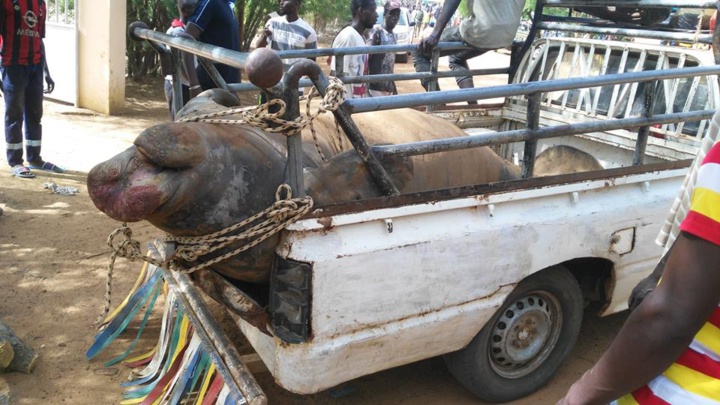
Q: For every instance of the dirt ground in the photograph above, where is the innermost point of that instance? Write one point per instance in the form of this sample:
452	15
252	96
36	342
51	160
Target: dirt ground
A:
53	260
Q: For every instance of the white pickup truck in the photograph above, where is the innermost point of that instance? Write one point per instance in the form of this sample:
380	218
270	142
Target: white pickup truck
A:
495	277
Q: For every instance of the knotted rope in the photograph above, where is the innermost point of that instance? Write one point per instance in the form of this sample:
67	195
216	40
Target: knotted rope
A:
337	85
283	212
261	117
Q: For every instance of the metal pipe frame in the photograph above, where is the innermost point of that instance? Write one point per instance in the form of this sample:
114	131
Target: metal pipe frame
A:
644	131
228	364
533	123
628	3
534	29
520	135
223	353
628	32
344	119
373	49
521	89
433	83
139	31
176	63
289	94
213	73
242	87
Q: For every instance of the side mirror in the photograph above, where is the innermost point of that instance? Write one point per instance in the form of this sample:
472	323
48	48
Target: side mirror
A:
412	23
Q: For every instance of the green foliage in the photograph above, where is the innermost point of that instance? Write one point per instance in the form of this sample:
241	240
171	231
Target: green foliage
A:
252	15
530	7
59	11
141	59
464	8
322	12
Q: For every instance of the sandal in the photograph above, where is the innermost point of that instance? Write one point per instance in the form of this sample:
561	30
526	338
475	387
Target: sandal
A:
46	166
22	172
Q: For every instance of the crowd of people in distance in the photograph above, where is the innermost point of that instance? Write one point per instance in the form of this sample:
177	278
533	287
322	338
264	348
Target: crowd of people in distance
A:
286	30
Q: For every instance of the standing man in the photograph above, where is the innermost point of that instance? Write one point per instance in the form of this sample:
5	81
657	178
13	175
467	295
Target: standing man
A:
364	15
288	31
384	63
668	351
211	22
418	18
22	26
426	19
492	25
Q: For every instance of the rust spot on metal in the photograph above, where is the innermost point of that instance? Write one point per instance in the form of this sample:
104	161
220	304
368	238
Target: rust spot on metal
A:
609	288
326	222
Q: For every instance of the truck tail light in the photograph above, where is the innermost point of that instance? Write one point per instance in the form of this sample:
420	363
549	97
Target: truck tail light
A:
290	300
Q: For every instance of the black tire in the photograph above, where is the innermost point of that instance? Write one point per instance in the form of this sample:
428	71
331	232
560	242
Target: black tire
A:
549	305
401	57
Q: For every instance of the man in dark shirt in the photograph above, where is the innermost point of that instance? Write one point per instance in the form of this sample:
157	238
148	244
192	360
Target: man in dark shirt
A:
22	26
211	22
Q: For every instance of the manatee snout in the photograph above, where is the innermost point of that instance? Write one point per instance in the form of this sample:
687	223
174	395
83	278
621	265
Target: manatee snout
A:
127	187
136	184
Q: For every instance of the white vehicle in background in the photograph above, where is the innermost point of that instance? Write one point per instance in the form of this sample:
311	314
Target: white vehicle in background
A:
403	30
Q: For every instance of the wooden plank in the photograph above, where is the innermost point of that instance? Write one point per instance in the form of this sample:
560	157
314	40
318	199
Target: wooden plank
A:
6	353
23	359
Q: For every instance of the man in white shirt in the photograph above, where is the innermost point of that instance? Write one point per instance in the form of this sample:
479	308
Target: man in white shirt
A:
364	15
492	25
288	31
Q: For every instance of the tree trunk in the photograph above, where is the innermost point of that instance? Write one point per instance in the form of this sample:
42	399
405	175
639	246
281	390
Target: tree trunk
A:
22	356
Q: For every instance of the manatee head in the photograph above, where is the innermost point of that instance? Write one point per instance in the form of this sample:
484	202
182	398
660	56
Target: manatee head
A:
192	179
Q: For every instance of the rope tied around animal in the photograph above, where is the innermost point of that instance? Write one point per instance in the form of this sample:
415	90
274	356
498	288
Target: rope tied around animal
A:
262	225
261	116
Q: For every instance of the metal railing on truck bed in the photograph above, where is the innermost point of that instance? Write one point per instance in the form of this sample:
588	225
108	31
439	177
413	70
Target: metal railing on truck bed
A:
532	90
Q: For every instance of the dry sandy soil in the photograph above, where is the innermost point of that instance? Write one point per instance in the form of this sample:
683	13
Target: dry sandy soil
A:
53	260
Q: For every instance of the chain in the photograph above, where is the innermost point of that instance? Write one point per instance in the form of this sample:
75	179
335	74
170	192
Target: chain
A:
283	212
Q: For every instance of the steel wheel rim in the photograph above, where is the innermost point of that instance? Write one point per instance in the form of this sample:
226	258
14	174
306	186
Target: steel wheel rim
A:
525	334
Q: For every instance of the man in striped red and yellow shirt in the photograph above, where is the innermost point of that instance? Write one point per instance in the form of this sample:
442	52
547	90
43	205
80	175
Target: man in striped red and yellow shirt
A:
22	27
668	351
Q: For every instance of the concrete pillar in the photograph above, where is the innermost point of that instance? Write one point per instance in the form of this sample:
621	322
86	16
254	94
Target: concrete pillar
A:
101	50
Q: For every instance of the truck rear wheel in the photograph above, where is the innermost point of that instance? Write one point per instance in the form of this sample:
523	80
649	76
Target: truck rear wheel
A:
525	342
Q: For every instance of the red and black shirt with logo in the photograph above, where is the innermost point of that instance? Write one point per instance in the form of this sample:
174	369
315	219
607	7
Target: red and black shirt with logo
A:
22	26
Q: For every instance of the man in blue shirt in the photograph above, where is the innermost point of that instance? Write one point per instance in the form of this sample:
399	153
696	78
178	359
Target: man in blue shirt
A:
211	22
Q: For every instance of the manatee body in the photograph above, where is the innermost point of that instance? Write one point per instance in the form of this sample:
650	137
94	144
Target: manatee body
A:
328	184
563	159
192	179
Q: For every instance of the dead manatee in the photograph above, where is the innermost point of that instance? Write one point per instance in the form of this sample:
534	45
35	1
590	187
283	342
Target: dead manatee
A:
563	159
328	184
192	179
